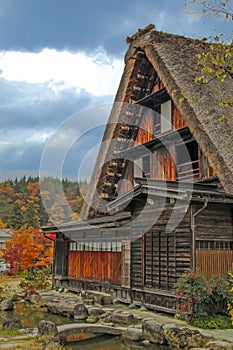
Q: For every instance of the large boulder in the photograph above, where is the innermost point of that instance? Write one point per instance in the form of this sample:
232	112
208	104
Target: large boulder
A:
13	323
18	296
80	312
33	298
219	345
47	328
63	309
153	331
123	318
96	311
98	297
183	337
7	305
134	334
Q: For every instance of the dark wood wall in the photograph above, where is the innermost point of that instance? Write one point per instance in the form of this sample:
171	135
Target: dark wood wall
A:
158	257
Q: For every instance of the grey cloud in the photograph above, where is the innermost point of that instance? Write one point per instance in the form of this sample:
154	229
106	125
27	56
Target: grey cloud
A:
26	109
32	25
37	106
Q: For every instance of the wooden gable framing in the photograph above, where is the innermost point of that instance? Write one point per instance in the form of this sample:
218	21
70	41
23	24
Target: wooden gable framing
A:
159	68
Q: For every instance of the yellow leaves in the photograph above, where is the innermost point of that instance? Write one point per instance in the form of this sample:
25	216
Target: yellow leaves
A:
2	225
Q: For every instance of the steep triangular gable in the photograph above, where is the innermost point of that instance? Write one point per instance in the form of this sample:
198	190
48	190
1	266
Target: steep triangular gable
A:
163	62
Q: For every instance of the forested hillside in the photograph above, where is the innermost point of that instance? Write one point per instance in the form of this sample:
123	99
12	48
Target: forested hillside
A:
21	203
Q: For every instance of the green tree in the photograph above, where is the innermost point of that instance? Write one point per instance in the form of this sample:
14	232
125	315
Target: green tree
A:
16	218
30	217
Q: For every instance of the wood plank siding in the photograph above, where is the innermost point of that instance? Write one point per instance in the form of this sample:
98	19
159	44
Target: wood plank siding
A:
214	239
159	258
214	262
95	266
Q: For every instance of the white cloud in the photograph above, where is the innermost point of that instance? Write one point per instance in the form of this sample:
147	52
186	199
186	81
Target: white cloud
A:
97	73
39	136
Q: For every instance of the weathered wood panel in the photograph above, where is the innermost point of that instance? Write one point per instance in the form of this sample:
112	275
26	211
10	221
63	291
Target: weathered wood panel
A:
136	263
163	166
214	262
214	223
145	133
160	257
97	266
178	121
61	255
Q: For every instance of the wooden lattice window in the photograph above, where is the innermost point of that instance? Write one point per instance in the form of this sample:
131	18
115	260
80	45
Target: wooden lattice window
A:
96	246
214	245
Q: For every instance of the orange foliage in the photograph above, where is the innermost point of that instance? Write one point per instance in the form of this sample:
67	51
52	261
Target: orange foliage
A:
2	225
28	248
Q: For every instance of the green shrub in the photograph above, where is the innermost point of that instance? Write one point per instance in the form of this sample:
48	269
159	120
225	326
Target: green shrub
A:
210	322
198	297
36	278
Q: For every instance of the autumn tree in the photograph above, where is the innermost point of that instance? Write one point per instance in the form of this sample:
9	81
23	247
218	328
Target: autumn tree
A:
2	225
27	248
21	201
217	60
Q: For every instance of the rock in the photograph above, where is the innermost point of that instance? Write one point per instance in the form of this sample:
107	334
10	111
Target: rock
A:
33	298
23	331
115	301
80	312
96	311
153	331
66	290
99	297
145	342
7	305
134	334
14	323
108	310
143	308
47	328
219	345
92	319
18	296
89	301
124	318
59	308
133	306
183	337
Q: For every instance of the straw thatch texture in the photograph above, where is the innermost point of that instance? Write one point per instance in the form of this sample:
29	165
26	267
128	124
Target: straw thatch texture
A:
174	58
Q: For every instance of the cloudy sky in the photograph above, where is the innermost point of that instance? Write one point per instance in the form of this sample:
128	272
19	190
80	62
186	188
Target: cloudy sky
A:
64	57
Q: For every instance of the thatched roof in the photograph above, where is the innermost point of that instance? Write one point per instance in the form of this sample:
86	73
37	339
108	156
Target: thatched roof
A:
174	58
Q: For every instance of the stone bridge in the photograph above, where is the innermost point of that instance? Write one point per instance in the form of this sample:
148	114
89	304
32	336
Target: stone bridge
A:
75	328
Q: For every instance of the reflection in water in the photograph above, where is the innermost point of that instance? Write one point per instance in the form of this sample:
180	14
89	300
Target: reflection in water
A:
30	315
104	342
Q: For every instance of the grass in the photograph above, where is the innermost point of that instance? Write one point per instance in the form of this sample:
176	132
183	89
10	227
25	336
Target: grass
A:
34	343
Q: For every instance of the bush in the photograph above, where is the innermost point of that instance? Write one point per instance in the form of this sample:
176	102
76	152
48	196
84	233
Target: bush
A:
36	278
212	322
199	297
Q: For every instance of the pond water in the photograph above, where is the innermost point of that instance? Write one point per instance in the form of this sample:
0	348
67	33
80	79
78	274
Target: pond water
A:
103	342
30	316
